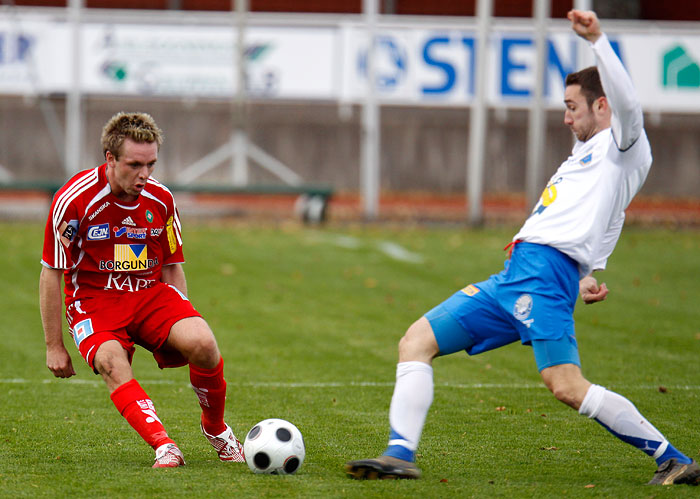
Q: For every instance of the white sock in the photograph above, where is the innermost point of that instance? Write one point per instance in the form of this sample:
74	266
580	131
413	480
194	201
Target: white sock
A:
619	416
413	395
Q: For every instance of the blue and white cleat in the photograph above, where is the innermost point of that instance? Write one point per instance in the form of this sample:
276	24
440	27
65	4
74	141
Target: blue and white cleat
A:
672	472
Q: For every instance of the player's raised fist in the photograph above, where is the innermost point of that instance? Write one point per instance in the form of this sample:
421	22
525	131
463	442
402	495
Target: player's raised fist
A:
585	24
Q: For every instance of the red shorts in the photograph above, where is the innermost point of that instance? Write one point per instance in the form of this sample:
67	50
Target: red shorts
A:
140	318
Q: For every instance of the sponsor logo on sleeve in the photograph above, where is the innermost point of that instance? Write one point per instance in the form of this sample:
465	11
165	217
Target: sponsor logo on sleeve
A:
98	232
586	159
470	290
68	230
171	235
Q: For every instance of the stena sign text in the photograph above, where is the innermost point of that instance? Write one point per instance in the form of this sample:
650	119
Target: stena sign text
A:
429	67
439	68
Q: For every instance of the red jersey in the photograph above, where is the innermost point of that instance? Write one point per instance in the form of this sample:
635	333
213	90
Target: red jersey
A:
105	244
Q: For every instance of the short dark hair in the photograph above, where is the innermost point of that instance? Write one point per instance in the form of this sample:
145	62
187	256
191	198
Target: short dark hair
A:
139	127
589	80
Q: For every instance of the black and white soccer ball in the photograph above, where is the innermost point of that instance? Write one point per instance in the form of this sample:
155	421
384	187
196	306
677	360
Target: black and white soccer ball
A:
274	446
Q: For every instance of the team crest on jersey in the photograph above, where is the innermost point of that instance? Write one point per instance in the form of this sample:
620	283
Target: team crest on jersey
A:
129	257
68	230
98	232
470	290
149	216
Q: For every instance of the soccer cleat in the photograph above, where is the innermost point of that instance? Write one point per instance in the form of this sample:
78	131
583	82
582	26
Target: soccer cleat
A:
672	472
168	456
382	468
227	445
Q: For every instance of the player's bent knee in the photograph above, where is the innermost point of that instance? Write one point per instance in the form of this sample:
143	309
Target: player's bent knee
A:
204	353
418	343
567	385
112	362
563	393
193	338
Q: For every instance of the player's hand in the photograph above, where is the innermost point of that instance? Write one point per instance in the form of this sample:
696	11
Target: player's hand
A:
585	24
59	362
590	291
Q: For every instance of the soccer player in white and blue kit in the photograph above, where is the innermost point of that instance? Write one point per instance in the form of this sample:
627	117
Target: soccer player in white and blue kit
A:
570	234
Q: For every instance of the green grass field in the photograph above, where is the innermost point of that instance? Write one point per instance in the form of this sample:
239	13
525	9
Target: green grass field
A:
308	321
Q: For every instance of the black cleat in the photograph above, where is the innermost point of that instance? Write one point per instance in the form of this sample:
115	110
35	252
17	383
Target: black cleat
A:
672	472
381	468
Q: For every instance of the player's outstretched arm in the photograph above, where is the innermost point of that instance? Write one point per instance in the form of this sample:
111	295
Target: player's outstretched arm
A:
50	304
627	119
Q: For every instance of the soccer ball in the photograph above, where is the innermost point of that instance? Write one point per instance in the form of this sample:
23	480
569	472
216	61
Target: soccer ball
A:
274	446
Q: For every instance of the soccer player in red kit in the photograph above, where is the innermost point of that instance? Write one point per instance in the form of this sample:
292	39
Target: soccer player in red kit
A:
114	235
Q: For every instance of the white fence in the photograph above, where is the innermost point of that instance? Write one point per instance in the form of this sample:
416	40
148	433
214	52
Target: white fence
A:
417	61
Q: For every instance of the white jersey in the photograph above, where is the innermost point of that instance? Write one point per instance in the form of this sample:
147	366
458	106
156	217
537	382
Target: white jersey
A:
582	209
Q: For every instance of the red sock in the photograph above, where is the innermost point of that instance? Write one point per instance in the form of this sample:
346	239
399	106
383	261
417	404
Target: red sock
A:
210	387
133	403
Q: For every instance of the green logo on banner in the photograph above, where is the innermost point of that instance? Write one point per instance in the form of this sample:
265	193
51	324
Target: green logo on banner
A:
115	71
680	70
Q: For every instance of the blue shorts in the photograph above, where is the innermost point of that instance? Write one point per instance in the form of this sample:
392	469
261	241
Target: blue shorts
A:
531	300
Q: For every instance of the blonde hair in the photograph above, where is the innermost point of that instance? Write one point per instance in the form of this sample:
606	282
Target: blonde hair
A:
139	127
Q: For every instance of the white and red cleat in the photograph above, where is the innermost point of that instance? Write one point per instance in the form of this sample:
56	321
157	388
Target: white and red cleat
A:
168	456
227	445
